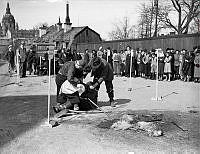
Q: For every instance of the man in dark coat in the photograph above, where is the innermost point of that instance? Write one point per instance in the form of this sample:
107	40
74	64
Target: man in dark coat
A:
22	60
102	71
30	60
86	56
10	56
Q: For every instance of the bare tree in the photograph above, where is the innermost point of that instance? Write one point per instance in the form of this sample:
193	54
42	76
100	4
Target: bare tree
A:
122	30
195	25
187	10
147	23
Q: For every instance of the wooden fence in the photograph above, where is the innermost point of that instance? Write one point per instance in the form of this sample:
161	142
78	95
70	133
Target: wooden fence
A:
186	41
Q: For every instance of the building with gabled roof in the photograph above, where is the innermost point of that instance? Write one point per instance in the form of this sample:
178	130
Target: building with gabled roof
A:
68	36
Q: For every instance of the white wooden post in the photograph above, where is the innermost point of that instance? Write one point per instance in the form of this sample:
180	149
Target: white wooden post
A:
47	123
157	98
54	63
108	54
17	65
130	83
40	62
49	90
131	62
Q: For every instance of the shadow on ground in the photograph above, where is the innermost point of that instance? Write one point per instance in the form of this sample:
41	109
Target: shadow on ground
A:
18	114
7	84
118	102
2	63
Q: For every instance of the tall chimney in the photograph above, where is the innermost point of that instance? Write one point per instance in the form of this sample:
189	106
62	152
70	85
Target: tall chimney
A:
67	24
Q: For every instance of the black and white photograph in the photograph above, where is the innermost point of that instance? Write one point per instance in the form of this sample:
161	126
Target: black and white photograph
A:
99	76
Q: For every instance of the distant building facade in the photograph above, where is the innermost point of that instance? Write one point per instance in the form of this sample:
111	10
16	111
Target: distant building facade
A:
11	34
9	28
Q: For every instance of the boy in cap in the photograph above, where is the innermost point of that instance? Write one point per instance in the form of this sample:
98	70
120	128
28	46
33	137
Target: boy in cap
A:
102	71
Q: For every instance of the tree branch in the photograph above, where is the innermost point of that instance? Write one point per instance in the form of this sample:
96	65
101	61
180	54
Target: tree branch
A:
174	4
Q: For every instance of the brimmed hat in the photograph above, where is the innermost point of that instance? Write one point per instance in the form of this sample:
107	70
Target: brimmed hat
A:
96	62
99	53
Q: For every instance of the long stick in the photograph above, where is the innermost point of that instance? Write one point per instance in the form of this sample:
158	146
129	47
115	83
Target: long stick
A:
130	69
131	64
49	90
17	56
99	108
157	78
54	63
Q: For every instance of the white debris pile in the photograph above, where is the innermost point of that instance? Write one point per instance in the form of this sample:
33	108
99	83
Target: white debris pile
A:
151	128
131	122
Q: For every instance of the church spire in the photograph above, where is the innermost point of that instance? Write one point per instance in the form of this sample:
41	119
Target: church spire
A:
59	22
8	9
59	25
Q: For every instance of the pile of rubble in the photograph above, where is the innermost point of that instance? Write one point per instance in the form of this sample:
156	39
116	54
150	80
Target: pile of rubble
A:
148	123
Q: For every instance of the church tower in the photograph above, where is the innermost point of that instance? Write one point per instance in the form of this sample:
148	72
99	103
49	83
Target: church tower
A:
59	25
8	21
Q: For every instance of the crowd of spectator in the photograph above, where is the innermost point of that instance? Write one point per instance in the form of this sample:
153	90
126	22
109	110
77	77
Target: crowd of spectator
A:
172	64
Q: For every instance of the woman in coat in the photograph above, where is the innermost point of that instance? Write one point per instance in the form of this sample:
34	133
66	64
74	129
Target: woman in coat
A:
181	62
161	65
167	67
188	67
197	66
153	66
176	65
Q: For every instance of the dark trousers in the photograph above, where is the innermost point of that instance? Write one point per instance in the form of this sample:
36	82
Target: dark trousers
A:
60	79
22	69
72	98
109	88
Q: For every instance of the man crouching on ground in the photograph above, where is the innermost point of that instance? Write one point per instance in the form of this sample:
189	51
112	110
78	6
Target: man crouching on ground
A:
71	71
69	96
102	71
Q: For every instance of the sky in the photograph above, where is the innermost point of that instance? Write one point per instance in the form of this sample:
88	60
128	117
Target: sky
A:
100	15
